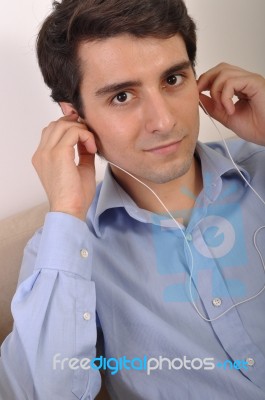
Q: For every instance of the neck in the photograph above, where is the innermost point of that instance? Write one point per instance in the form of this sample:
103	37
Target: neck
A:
178	195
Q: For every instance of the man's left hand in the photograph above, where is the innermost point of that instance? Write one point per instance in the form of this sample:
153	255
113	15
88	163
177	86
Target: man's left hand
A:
246	116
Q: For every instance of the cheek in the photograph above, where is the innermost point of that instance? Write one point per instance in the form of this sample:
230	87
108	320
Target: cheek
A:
116	130
190	109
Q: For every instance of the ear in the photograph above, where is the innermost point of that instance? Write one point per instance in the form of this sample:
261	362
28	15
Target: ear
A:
68	108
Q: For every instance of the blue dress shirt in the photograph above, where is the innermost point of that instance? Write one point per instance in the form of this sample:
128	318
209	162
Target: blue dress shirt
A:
131	277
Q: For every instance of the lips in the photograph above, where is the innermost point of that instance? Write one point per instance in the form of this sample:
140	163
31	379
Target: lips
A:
165	149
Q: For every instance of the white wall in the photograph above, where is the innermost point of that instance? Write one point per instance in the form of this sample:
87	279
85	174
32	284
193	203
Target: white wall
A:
229	30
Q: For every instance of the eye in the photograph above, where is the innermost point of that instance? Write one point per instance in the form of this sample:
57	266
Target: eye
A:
122	98
174	80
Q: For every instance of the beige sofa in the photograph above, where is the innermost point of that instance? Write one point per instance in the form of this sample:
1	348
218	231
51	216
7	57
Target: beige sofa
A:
15	231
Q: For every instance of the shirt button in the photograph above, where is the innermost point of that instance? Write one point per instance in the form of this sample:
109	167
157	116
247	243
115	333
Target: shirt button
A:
217	302
189	237
86	316
84	253
250	361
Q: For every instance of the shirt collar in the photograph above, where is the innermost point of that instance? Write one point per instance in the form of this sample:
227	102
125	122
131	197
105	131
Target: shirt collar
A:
214	158
214	162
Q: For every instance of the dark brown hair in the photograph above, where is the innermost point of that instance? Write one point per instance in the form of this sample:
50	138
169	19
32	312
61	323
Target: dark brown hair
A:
74	21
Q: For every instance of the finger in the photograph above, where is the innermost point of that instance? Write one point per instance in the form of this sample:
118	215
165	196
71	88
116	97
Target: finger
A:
68	134
76	134
206	79
87	145
215	112
222	70
53	133
86	159
223	90
63	147
243	87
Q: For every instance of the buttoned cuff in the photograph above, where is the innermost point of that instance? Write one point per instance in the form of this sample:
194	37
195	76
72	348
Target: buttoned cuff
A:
64	245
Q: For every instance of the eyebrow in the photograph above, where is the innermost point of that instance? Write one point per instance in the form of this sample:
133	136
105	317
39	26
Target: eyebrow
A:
120	86
176	68
116	87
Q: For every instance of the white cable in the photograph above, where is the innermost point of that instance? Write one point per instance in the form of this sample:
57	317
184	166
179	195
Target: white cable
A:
229	154
185	239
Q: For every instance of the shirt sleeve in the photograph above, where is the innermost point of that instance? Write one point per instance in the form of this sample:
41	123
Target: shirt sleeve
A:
54	337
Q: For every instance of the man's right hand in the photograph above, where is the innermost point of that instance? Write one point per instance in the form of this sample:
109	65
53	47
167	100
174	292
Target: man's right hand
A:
70	188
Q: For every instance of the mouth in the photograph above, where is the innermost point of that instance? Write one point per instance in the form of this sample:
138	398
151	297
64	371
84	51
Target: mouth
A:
166	148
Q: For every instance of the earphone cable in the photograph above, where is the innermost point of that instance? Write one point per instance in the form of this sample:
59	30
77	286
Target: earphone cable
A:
185	239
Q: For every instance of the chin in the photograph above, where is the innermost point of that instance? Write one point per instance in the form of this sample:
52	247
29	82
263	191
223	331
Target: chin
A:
169	174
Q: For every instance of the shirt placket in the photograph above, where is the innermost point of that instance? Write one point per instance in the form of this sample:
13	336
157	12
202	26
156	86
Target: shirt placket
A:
213	304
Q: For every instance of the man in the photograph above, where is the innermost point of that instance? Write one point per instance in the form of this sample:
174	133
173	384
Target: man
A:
166	306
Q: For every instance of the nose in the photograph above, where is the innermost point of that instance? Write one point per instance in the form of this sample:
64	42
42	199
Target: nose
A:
158	112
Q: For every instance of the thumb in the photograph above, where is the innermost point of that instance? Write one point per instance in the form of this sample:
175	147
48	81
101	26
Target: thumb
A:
213	110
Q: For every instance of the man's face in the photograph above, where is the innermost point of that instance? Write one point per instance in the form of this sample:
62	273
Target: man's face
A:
140	99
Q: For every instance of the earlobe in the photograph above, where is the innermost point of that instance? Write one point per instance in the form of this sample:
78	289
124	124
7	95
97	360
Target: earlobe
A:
67	108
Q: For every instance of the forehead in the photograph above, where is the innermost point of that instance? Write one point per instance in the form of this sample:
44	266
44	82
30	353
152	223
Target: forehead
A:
126	57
